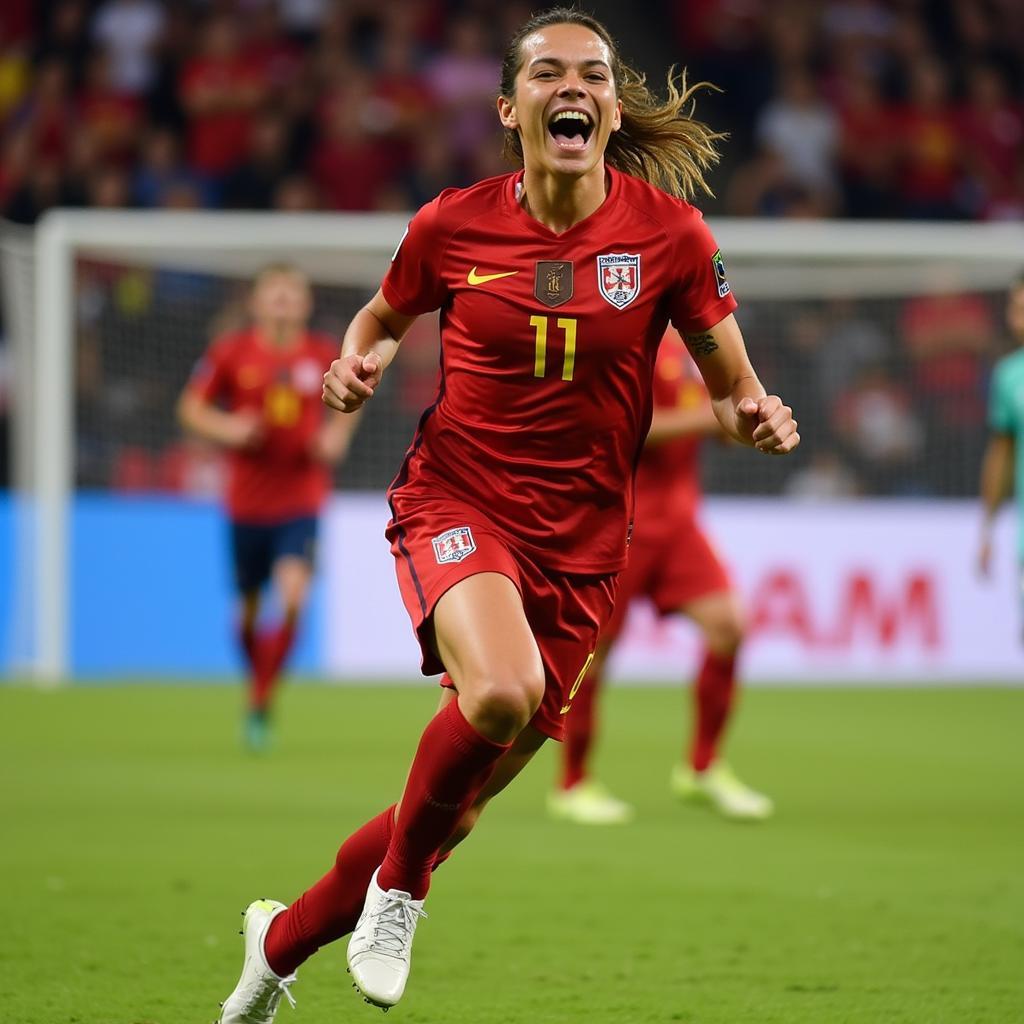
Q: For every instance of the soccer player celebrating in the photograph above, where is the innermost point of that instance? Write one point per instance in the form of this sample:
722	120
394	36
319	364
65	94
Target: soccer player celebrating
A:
257	393
1003	464
671	562
511	511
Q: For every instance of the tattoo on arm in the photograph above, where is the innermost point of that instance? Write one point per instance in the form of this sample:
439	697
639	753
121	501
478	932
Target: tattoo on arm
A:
701	344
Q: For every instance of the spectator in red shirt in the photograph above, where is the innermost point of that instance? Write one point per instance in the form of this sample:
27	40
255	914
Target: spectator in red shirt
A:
866	148
993	128
350	164
251	186
112	118
48	112
948	335
220	90
929	151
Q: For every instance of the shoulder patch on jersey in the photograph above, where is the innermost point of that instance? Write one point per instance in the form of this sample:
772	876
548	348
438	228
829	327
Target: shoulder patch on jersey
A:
552	284
618	277
454	545
719	264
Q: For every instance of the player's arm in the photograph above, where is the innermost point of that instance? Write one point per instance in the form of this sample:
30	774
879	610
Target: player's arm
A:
670	424
738	398
996	487
207	420
199	413
334	437
371	341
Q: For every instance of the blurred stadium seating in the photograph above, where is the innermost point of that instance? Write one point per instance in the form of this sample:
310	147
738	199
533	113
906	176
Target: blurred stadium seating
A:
848	108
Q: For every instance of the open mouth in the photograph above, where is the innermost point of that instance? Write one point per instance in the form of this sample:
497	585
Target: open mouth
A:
571	129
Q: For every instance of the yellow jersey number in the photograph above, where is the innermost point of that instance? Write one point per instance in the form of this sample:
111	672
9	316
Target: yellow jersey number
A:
540	345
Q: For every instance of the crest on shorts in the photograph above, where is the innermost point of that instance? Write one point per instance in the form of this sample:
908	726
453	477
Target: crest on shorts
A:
553	282
719	265
454	545
618	277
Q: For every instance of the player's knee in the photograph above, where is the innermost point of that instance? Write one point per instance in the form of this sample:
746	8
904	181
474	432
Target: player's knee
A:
725	634
504	701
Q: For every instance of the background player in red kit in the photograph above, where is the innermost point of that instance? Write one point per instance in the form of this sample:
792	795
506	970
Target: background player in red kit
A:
672	563
256	392
510	513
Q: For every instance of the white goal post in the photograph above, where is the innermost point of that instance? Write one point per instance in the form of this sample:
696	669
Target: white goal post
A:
765	259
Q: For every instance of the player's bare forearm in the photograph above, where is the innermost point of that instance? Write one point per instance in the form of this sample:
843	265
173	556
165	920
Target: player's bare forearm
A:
721	357
370	344
669	424
335	436
996	475
746	412
727	407
367	334
996	487
229	429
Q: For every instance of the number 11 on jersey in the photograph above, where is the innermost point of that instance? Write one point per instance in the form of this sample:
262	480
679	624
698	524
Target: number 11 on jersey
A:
540	346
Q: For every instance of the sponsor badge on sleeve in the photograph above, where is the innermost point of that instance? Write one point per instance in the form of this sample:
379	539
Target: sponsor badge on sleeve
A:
719	264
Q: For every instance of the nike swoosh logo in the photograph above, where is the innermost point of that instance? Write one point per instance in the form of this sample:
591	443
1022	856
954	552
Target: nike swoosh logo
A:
474	278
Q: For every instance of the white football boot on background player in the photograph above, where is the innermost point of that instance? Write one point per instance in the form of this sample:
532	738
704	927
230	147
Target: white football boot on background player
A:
588	803
719	786
259	990
380	949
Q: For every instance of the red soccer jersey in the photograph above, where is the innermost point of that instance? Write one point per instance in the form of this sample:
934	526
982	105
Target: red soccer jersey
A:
279	479
548	346
668	480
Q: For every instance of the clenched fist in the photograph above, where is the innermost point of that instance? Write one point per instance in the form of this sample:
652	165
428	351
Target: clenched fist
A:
351	381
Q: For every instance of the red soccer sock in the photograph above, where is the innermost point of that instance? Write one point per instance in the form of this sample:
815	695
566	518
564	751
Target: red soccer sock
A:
452	763
330	908
248	641
272	648
580	727
713	698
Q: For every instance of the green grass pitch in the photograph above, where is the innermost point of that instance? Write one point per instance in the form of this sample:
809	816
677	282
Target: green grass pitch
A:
889	888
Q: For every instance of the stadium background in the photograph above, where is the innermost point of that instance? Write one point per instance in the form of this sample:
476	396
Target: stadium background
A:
856	109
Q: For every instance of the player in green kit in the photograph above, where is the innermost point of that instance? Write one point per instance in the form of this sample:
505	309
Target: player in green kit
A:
1002	470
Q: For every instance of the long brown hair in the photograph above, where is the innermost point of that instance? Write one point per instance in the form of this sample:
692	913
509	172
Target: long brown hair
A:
660	142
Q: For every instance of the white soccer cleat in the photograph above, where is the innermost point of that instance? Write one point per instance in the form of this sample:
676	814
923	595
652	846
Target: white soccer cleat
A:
719	786
588	803
259	990
380	948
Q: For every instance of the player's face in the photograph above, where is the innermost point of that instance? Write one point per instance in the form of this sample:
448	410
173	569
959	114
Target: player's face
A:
281	298
1015	313
565	106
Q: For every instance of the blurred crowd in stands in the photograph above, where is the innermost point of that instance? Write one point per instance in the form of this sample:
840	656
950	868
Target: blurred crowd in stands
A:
861	108
834	108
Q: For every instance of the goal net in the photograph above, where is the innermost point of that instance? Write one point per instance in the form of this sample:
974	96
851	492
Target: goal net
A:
881	336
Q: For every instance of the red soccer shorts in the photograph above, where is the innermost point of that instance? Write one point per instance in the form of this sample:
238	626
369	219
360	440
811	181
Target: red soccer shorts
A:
672	569
437	543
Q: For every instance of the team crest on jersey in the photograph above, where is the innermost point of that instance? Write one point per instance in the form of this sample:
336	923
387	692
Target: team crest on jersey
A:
552	284
454	545
618	277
